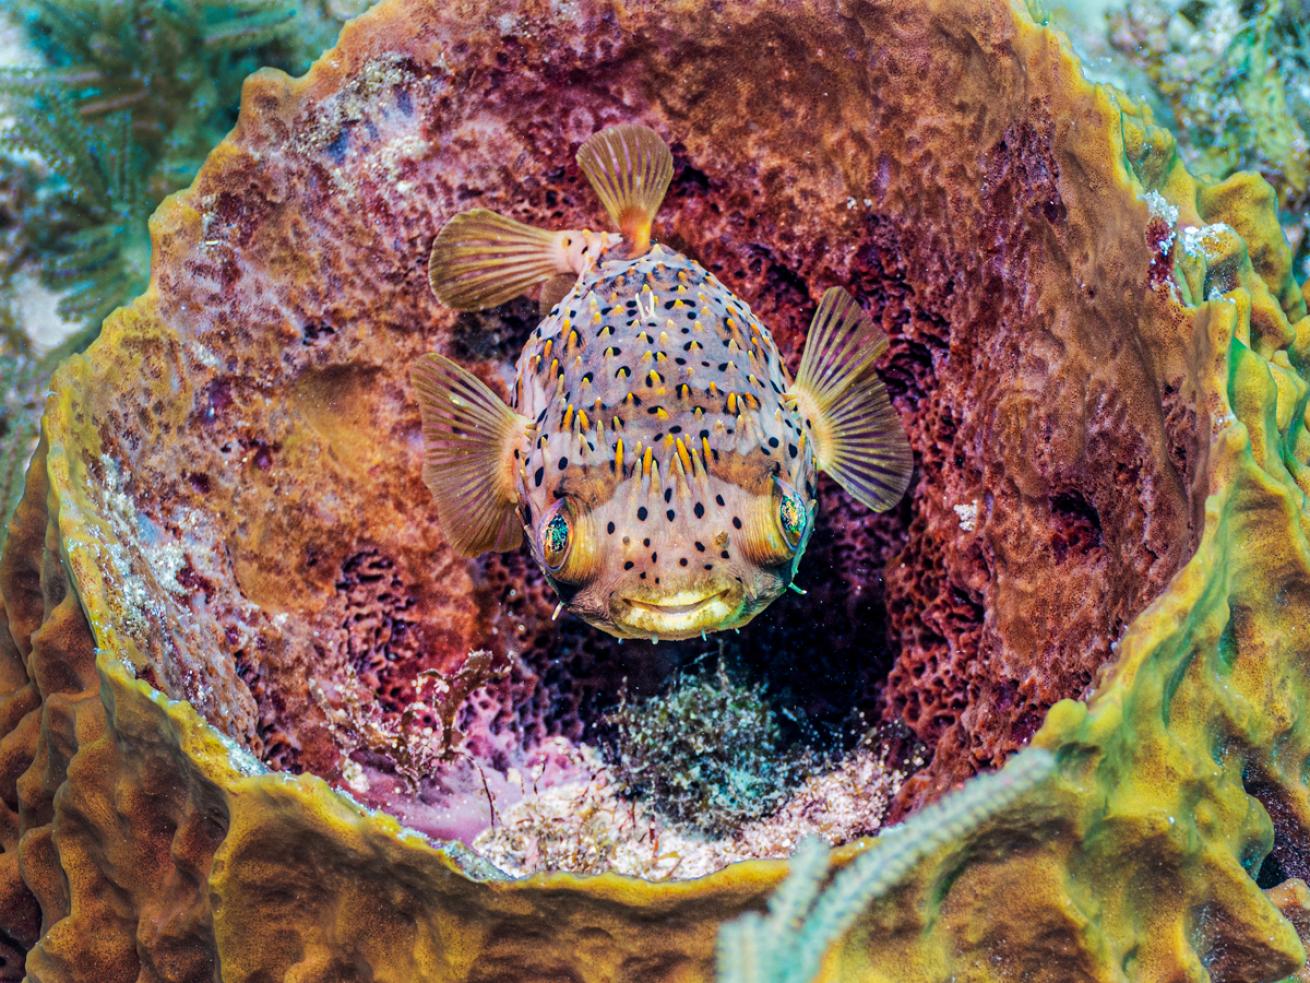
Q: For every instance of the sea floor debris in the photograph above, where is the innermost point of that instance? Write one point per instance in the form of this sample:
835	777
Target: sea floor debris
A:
595	825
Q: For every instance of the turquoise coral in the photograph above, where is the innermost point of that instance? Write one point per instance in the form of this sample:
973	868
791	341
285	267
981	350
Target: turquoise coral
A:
806	917
129	100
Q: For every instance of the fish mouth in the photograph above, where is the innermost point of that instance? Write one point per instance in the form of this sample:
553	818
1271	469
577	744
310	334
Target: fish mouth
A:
671	609
680	615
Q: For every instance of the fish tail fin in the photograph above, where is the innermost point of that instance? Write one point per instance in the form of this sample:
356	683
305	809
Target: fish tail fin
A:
857	437
469	438
629	168
481	259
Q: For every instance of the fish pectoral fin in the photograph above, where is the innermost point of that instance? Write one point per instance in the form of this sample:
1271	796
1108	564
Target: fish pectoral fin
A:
857	436
554	290
629	167
480	259
469	438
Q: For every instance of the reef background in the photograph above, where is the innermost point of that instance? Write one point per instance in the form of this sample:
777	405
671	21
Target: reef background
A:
1100	363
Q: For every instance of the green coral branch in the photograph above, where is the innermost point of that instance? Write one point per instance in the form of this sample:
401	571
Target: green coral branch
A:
788	942
131	97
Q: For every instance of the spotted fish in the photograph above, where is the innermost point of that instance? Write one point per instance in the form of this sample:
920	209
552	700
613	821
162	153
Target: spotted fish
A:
655	453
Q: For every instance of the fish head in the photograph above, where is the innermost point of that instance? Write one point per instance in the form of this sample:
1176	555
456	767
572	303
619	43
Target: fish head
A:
640	563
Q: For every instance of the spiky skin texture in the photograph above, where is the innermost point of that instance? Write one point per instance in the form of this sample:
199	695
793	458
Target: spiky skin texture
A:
662	429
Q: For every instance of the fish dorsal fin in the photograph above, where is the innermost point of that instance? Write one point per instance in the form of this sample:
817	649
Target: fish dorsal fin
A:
629	168
554	290
469	438
481	259
858	438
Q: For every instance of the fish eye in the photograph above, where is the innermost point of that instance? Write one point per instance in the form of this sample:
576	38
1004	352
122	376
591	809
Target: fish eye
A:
776	527
556	535
792	518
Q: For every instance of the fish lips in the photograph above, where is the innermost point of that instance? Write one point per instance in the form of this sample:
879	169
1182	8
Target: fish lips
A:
678	614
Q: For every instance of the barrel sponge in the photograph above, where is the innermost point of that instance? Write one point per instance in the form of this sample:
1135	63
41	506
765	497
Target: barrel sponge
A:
1101	365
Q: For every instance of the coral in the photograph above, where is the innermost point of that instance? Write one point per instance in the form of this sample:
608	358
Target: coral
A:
426	733
19	414
806	917
129	99
1233	76
1099	361
19	364
708	752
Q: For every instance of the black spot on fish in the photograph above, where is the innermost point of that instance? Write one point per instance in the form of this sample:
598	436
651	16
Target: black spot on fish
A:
670	514
736	522
563	463
717	498
628	565
668	494
682	562
724	554
699	509
773	441
610	528
537	476
700	547
642	513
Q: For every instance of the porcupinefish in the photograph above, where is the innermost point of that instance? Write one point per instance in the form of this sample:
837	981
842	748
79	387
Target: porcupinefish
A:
655	453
